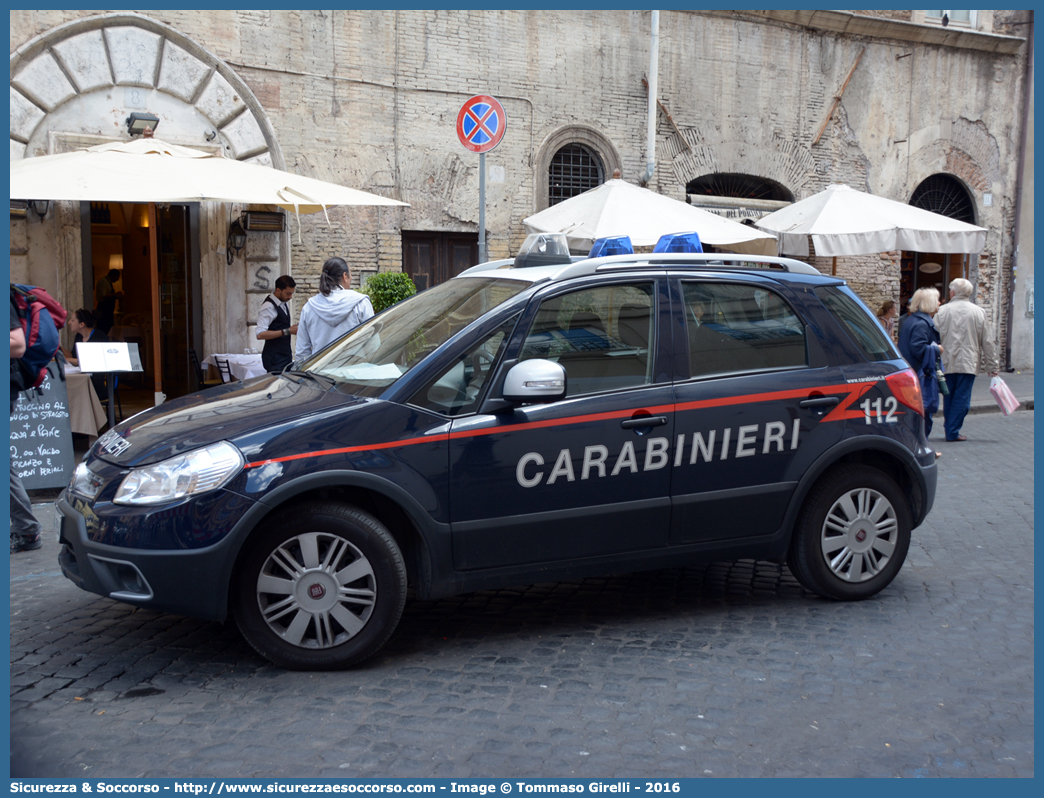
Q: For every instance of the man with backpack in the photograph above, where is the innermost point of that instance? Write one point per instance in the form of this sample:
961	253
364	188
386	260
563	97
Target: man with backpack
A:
25	529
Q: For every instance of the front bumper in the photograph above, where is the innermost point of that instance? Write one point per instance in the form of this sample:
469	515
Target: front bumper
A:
192	582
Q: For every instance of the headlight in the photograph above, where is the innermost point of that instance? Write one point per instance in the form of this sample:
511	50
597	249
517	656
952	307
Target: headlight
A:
84	482
187	474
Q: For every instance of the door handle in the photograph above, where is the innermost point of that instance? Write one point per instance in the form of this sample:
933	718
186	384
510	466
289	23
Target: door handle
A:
643	421
820	401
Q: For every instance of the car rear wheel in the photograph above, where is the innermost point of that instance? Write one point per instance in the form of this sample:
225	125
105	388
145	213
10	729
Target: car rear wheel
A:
322	587
852	535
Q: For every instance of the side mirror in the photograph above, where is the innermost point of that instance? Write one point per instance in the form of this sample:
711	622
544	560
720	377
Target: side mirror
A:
535	381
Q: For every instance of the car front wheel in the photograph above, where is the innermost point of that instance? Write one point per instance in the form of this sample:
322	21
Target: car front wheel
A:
852	535
321	587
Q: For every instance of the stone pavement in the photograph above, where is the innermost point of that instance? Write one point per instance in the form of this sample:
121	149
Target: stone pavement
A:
727	669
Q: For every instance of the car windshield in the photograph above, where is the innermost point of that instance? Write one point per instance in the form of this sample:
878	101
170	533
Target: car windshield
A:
376	353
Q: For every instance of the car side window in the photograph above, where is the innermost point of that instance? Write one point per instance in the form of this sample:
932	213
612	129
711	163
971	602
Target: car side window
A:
738	327
864	330
603	337
457	390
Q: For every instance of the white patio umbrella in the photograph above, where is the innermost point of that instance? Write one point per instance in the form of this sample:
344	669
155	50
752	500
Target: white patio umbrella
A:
844	221
617	208
150	170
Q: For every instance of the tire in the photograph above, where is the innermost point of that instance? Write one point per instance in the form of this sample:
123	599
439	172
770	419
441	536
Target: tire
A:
322	587
852	535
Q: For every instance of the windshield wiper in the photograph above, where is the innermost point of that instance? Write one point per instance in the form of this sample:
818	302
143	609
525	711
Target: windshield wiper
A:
326	382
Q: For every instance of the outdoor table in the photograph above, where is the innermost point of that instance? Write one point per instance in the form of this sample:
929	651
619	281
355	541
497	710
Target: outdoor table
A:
243	367
86	414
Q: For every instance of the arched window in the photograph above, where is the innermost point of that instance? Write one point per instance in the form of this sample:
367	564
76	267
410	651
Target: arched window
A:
945	195
574	169
730	184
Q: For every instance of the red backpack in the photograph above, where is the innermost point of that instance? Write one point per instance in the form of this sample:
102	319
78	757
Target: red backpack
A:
42	318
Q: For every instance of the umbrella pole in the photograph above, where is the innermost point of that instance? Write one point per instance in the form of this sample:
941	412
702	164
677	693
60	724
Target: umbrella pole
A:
157	367
833	268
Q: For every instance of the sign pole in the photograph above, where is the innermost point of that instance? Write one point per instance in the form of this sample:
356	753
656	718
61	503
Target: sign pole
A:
482	207
481	123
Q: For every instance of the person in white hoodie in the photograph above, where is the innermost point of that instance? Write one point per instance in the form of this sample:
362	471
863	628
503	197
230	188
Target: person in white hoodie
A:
335	310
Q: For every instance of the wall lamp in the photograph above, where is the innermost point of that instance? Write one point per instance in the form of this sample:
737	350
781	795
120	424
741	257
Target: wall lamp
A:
40	207
139	123
236	240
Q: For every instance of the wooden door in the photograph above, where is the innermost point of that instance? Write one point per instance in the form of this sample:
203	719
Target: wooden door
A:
432	257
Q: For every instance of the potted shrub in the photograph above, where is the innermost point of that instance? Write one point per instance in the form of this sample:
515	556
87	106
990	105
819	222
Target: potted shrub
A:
386	288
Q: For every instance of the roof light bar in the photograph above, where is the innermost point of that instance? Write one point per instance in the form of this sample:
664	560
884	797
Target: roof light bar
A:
611	245
679	242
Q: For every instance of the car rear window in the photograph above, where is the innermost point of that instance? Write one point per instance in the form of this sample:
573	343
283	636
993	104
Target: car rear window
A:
735	327
861	325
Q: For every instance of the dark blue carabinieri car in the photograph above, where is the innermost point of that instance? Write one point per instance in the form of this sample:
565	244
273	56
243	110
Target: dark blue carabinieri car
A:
531	420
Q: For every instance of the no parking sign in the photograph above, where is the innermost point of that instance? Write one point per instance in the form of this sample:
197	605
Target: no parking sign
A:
481	123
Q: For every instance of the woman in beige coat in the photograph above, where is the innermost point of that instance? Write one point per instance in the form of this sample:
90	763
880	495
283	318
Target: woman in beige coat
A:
968	347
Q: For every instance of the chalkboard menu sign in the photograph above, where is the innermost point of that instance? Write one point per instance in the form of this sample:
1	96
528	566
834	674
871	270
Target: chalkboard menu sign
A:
41	438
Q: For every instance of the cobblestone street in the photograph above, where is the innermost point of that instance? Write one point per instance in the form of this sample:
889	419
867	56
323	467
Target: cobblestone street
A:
725	670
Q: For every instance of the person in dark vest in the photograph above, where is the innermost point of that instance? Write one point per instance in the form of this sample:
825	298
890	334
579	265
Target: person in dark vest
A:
274	327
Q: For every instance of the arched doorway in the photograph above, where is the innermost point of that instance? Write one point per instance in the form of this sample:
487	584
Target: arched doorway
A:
79	84
739	197
738	186
945	195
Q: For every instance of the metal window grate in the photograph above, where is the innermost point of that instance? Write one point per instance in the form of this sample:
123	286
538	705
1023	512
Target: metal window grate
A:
728	184
573	170
944	195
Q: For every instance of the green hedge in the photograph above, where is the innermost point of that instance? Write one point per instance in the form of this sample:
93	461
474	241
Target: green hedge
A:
386	288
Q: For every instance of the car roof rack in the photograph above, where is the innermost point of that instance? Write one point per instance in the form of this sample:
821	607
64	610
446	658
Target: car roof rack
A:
717	261
708	262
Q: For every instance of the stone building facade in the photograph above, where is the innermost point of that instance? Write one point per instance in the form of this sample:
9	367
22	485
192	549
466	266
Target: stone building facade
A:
369	99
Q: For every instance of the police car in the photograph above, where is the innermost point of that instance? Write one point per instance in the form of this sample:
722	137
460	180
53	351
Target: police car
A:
536	419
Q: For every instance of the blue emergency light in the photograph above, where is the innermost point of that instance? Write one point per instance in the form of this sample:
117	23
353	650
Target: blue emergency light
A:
612	245
679	242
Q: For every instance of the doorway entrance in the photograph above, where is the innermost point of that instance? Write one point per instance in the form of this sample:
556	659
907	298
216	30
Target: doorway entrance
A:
156	251
930	270
431	257
945	195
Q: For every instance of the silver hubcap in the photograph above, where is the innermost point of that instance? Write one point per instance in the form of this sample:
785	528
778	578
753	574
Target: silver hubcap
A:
316	590
859	535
